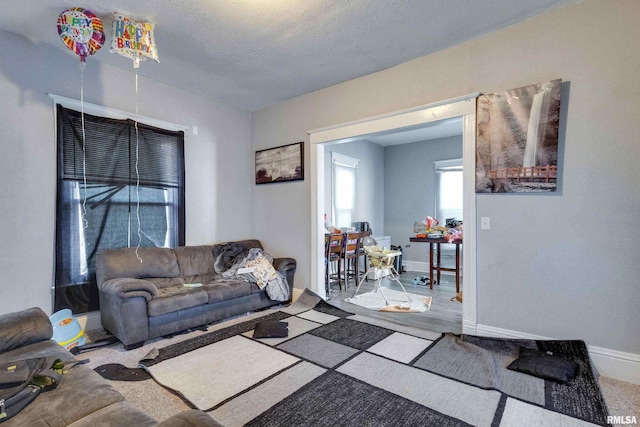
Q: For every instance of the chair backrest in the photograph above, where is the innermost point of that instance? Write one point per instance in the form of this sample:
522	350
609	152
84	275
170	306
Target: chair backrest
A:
350	245
335	245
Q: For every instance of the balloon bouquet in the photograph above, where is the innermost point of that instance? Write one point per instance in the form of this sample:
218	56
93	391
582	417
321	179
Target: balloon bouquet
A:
82	32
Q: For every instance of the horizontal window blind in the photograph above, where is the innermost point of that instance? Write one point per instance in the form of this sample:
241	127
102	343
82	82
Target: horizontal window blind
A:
110	152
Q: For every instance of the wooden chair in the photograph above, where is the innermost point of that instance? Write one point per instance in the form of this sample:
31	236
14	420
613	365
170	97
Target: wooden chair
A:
333	249
350	257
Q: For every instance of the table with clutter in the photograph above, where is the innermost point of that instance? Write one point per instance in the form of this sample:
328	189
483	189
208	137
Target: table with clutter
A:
436	235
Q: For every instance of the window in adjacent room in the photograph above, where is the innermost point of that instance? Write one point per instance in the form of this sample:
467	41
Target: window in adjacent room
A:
344	175
126	188
449	194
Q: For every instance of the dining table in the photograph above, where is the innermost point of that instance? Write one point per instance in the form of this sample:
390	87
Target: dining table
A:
434	252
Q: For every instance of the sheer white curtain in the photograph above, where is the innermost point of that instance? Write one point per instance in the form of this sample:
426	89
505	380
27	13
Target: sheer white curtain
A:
449	194
344	176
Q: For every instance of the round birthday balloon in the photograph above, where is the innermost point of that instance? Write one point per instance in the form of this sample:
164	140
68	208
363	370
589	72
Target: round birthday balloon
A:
81	31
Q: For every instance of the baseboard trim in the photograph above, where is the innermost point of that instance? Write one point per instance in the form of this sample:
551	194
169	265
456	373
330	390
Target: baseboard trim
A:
609	363
469	327
616	364
419	266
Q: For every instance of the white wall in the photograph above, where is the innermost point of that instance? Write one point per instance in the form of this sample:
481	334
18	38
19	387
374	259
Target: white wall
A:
219	172
563	265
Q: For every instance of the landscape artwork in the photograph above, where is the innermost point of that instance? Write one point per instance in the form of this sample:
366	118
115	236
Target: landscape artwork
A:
280	164
517	139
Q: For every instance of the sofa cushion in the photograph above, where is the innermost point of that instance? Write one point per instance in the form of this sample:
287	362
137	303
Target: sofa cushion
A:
165	282
175	298
156	262
225	290
80	392
203	278
194	260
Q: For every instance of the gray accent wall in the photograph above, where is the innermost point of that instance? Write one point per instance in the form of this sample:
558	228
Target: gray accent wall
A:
409	188
219	165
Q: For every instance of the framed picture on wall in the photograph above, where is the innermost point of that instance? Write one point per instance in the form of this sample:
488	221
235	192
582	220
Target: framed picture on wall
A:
517	139
280	164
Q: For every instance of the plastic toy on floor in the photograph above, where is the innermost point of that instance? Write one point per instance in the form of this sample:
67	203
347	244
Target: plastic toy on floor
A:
421	280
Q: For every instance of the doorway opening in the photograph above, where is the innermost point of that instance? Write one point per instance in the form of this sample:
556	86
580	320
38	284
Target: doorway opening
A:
463	108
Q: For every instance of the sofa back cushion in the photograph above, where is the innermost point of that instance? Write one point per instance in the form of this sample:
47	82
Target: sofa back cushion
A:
195	260
24	327
156	262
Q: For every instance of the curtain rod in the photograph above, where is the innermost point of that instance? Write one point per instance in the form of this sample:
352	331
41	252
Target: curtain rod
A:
112	113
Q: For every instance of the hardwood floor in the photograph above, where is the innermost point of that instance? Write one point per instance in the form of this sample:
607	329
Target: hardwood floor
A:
443	316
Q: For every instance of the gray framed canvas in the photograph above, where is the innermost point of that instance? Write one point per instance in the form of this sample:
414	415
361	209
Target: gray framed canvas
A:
517	139
280	164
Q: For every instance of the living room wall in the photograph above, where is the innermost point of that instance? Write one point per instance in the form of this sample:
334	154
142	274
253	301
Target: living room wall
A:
562	265
218	170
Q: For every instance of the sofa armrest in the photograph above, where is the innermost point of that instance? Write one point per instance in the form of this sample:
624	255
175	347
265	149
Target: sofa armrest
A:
286	266
23	328
126	287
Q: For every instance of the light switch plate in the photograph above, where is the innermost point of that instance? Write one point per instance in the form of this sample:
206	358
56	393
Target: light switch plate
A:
485	223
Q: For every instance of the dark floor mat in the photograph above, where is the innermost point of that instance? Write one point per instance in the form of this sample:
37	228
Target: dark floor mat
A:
118	372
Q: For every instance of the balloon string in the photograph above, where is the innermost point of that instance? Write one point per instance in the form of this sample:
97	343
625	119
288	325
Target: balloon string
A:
137	176
85	222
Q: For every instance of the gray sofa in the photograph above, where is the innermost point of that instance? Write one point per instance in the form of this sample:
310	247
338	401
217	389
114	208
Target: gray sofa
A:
83	398
144	300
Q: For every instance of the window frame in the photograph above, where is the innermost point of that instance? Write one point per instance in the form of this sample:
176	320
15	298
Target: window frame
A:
440	167
347	163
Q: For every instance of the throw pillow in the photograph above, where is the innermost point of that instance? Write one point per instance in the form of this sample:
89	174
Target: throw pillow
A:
263	270
544	365
271	329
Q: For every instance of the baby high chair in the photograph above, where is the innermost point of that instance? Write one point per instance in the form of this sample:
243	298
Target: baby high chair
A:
380	261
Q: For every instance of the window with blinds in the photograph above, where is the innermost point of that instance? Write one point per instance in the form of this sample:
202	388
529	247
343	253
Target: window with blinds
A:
120	184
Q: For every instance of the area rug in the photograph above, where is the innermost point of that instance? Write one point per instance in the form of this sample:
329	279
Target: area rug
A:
336	368
391	300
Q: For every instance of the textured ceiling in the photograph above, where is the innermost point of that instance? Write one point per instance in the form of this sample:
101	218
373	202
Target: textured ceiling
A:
253	53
